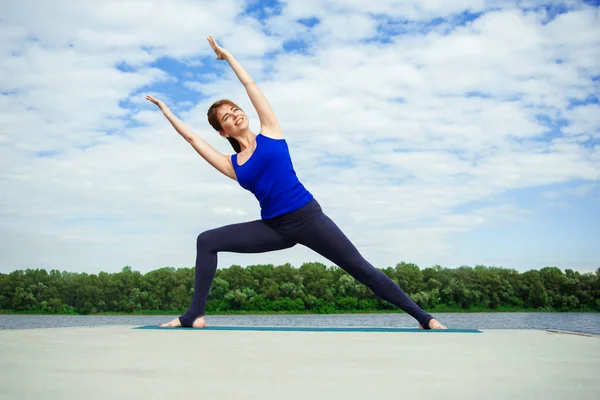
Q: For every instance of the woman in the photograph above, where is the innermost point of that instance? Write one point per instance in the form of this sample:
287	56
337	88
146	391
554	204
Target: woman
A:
289	213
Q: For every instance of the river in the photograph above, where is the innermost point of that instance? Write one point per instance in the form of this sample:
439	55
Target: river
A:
577	322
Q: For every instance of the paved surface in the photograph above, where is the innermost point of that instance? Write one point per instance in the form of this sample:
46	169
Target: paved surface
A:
117	362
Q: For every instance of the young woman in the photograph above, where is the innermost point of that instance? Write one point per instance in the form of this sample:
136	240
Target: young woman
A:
290	214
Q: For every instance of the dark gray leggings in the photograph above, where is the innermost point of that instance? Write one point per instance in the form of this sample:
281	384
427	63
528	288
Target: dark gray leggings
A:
308	226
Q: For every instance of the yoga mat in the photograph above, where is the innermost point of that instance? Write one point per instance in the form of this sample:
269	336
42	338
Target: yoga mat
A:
312	329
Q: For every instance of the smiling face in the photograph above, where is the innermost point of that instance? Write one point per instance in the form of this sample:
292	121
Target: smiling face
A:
232	119
227	118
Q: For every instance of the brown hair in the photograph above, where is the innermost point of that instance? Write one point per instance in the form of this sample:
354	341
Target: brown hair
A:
216	124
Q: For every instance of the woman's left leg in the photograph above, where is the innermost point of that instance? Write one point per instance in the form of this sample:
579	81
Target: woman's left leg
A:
323	236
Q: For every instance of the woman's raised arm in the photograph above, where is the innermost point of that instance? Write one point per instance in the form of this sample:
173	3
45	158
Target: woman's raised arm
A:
218	160
269	125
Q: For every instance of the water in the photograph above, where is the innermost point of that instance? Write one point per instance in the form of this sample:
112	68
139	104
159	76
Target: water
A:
577	322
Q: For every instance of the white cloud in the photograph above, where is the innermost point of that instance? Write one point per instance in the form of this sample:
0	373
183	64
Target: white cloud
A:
580	190
583	120
382	133
410	9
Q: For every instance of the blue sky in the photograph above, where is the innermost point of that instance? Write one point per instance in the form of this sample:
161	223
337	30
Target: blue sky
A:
436	133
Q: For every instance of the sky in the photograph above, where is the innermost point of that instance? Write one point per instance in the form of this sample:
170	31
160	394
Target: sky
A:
451	133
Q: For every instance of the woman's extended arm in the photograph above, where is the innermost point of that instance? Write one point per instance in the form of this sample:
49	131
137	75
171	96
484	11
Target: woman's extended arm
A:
268	122
218	160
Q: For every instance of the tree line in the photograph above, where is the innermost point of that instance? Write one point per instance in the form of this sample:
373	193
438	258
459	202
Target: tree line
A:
313	288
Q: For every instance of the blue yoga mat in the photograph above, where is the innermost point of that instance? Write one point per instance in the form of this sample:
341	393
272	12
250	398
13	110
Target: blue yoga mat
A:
313	329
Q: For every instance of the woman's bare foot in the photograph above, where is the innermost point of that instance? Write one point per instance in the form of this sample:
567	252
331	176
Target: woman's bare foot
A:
198	323
172	324
434	324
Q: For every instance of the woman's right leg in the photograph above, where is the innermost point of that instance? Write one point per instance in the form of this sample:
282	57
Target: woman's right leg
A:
247	237
325	237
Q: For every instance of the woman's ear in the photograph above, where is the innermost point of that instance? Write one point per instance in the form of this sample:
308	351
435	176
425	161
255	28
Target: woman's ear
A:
222	133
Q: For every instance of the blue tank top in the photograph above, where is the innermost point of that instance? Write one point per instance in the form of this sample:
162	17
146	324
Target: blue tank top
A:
270	176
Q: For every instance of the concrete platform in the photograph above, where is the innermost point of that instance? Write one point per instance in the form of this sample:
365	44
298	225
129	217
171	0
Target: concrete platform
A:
118	362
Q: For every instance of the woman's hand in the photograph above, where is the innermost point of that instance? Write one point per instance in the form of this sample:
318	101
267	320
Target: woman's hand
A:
221	52
163	107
